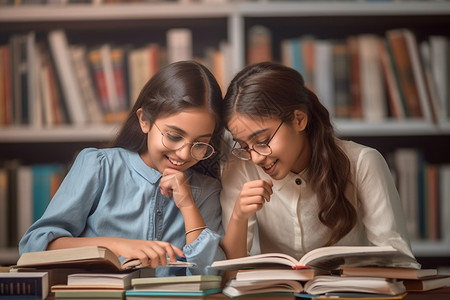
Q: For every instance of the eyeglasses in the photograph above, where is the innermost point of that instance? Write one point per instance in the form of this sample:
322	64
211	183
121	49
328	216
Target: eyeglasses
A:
261	148
174	141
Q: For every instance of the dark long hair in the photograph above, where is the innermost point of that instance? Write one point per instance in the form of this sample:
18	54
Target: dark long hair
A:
175	88
270	90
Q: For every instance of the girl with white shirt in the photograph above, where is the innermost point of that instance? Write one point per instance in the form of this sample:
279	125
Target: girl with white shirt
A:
148	196
292	182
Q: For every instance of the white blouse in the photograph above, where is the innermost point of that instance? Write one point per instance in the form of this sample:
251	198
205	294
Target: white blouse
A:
289	223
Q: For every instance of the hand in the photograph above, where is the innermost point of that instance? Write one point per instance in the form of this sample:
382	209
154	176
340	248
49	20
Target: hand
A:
149	253
175	183
252	198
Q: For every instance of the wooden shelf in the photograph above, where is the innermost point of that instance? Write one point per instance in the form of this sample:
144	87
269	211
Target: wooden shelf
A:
340	8
119	11
58	134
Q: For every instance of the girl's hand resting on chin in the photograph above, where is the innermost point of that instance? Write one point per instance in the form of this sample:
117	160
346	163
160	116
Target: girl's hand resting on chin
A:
175	183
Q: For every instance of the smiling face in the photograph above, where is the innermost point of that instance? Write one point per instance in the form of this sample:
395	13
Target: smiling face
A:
290	145
192	125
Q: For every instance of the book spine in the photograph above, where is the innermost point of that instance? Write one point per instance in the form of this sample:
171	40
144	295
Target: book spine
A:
59	47
21	287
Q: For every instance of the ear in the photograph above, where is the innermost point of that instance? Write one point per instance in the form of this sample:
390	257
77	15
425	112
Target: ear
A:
143	122
300	120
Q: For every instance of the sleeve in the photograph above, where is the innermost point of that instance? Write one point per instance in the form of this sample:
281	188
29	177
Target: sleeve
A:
206	248
70	207
234	175
380	202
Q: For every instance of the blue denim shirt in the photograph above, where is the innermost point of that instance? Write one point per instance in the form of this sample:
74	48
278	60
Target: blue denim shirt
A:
112	192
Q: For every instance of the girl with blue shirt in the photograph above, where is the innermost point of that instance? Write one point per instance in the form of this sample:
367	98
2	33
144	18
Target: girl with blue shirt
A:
153	195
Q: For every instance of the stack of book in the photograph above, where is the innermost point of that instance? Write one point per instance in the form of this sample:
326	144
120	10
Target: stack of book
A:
95	285
91	272
330	272
174	287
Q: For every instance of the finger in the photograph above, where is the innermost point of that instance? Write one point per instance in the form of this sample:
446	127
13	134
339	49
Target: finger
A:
171	252
252	204
263	191
143	259
167	192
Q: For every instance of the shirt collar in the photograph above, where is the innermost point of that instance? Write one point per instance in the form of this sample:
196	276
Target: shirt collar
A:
144	170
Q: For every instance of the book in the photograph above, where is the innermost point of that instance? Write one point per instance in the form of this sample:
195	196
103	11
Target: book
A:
235	288
78	55
324	258
259	45
32	285
107	280
376	285
396	106
274	274
152	294
66	292
60	51
374	106
46	179
444	191
217	296
409	72
427	283
351	296
341	79
24	215
179	44
193	283
399	273
90	257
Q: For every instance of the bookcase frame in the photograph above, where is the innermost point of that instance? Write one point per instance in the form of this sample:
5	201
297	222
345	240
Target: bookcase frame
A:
233	21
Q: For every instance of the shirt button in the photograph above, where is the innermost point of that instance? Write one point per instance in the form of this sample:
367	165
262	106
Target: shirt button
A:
298	181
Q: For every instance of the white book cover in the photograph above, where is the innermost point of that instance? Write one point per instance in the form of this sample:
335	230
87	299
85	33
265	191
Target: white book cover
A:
372	88
24	199
179	44
407	169
113	99
59	47
323	82
139	73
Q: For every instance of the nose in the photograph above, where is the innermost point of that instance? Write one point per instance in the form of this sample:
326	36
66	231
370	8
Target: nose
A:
256	157
184	152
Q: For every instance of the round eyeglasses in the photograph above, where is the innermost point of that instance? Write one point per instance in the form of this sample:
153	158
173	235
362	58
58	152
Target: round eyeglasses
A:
174	141
260	148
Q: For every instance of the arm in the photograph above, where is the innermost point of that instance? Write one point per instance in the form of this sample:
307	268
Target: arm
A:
84	210
197	198
176	184
252	197
240	198
149	253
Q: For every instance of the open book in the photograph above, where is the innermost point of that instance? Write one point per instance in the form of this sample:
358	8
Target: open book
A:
324	258
90	257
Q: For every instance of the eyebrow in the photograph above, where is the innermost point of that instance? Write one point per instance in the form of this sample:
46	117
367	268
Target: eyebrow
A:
185	133
254	134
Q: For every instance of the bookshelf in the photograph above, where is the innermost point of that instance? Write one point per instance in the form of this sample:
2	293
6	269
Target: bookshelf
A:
211	24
